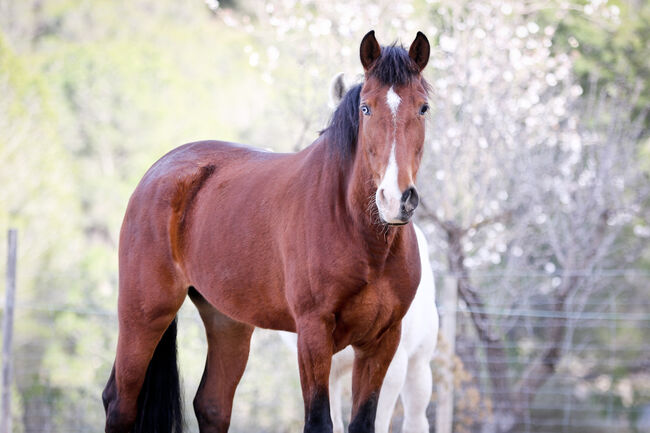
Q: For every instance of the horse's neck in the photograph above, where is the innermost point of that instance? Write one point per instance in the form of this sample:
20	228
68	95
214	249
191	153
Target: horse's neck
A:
352	177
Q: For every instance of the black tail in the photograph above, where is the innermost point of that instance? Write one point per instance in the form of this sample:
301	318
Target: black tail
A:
160	407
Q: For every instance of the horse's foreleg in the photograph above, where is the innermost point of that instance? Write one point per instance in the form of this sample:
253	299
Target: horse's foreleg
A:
228	348
417	394
370	365
315	348
392	385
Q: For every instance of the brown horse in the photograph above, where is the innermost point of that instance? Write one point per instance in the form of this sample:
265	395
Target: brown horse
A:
317	242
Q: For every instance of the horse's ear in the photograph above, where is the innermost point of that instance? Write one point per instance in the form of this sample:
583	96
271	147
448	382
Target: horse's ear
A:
419	51
337	89
370	50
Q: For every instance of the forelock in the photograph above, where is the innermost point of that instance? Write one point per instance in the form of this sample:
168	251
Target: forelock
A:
394	66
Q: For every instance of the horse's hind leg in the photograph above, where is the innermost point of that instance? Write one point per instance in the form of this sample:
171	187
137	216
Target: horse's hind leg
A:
144	316
136	345
228	347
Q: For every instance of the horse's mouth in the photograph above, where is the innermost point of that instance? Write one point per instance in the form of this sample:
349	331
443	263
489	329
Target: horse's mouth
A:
401	221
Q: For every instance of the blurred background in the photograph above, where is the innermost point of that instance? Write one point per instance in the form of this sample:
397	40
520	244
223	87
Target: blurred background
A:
535	190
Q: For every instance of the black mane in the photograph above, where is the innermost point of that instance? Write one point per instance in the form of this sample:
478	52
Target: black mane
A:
343	128
393	67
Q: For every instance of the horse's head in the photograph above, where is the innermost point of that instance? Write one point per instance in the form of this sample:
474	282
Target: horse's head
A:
393	103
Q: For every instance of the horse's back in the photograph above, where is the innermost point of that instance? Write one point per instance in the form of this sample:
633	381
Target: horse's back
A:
189	158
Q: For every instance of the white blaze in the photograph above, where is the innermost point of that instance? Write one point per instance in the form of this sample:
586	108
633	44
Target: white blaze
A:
389	196
393	100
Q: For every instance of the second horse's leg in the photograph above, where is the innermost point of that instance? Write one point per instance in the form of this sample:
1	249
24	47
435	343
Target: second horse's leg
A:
417	394
341	365
390	390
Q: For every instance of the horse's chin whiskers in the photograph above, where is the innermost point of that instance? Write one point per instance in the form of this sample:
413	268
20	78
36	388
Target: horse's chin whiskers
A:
375	218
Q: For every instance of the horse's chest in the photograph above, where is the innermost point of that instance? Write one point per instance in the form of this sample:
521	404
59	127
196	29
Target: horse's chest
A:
377	307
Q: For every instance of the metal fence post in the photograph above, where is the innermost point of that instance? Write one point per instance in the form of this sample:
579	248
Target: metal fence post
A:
445	389
7	331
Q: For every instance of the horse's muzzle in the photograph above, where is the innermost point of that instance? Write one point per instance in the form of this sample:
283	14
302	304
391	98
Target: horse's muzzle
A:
409	202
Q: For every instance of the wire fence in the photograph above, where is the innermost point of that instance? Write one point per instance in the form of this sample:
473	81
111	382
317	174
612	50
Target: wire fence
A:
600	382
583	368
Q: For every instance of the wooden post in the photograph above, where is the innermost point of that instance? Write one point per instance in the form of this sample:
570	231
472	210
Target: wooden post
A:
7	331
445	388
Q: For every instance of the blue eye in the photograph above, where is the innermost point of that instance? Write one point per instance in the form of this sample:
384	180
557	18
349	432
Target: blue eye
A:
424	109
365	110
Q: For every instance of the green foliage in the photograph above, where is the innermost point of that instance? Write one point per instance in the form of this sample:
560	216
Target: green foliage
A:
613	51
38	198
93	94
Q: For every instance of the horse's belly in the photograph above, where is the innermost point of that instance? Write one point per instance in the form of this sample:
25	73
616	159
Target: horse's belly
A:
255	306
241	285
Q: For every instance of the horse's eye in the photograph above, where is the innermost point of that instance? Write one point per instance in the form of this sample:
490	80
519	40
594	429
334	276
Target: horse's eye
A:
424	109
365	110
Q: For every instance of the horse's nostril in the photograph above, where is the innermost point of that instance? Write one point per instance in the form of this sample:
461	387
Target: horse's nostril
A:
410	199
415	198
